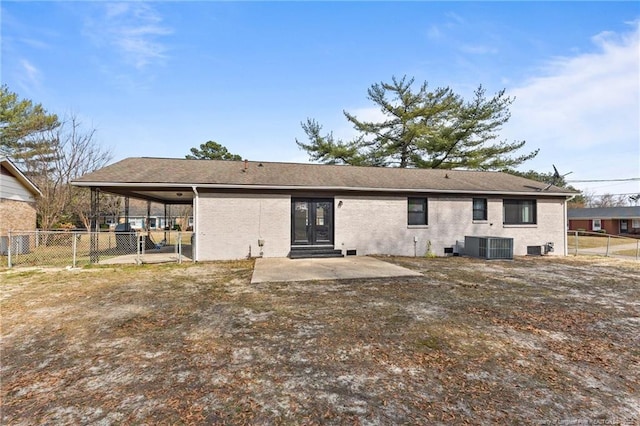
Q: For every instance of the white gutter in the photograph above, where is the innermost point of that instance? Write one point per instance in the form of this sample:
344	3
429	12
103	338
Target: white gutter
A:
566	224
195	223
148	186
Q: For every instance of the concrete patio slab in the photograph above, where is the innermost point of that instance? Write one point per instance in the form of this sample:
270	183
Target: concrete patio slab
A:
166	254
285	269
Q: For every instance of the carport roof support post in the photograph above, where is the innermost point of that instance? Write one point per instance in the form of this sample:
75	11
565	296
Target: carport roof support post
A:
194	241
93	239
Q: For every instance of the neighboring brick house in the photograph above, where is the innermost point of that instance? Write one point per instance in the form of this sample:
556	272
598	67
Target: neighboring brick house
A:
611	220
17	199
250	208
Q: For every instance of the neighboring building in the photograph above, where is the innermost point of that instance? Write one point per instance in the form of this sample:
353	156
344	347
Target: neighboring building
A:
155	222
17	199
611	220
143	215
243	209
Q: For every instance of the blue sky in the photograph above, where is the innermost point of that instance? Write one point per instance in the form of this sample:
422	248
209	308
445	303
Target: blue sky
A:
157	78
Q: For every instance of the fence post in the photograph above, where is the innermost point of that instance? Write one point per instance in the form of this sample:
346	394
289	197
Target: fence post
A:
9	244
179	247
637	249
138	262
93	246
608	244
175	246
576	243
75	248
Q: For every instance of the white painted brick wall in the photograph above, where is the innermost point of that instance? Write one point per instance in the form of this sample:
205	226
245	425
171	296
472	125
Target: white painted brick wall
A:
374	225
230	225
378	225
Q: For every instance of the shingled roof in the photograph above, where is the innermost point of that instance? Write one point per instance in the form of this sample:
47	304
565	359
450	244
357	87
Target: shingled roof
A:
627	212
175	173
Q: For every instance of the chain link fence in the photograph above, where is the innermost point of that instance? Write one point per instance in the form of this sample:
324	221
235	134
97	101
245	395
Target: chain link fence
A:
80	248
599	244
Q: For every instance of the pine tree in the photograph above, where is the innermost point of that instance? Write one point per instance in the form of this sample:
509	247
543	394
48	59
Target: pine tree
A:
424	129
23	127
212	150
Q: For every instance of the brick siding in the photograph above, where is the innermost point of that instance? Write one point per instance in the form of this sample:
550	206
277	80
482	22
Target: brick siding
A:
17	215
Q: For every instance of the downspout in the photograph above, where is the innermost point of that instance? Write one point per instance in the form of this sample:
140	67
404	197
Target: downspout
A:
566	225
194	240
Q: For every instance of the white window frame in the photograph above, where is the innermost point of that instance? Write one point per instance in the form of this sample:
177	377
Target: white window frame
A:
596	224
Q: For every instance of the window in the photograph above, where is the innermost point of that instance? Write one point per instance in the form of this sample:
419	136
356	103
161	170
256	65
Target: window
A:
635	223
596	225
479	209
624	226
417	211
519	212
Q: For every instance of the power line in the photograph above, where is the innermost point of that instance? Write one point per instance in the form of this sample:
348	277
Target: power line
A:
606	180
619	195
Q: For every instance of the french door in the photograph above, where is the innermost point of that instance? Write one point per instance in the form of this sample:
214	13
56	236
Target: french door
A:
312	221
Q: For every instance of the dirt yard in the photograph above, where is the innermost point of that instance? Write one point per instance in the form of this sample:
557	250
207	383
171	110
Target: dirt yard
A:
530	341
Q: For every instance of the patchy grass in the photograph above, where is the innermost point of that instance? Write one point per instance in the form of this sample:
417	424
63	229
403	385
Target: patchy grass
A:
629	253
472	342
586	241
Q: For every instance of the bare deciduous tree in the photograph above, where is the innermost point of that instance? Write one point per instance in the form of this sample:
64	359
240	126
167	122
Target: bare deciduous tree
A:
604	200
109	205
182	214
67	152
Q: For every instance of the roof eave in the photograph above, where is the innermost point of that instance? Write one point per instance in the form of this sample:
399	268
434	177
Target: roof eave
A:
316	188
605	217
21	177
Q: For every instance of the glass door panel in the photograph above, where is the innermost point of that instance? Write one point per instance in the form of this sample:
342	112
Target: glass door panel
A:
300	222
322	232
312	221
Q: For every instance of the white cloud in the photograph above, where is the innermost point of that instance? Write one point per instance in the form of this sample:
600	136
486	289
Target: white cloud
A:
134	30
114	10
30	70
35	43
584	111
29	76
449	31
454	17
434	33
478	49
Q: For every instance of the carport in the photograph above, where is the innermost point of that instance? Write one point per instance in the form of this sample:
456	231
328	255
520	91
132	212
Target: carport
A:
167	195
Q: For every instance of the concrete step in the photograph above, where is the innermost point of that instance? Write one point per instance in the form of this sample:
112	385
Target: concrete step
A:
314	252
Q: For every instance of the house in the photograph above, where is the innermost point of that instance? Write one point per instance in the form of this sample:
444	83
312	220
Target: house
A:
611	220
247	208
156	222
154	216
17	199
